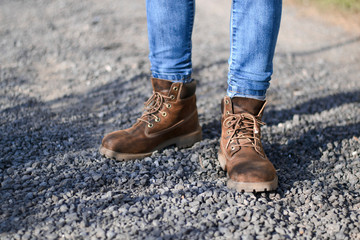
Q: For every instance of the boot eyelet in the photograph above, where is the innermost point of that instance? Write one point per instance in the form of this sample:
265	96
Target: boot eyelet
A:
172	97
168	105
228	132
150	125
175	88
227	101
157	119
227	112
233	148
164	114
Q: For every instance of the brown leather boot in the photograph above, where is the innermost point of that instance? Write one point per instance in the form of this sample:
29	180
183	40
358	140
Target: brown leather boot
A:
241	153
170	117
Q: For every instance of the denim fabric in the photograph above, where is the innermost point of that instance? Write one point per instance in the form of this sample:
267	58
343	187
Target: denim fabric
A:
254	28
170	24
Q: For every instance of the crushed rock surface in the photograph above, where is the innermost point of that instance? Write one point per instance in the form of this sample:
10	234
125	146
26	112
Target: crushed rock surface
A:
71	71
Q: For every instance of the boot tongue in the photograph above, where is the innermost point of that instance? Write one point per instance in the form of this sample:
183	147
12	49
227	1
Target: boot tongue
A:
249	105
161	86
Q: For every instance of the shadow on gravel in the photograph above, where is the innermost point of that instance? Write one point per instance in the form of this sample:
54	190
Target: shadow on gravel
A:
31	128
212	129
49	152
317	105
54	156
297	161
299	158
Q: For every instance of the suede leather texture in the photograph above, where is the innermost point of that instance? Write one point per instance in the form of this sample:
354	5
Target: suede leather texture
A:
244	163
181	118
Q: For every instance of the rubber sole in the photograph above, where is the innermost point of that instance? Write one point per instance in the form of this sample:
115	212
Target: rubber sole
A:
181	142
248	186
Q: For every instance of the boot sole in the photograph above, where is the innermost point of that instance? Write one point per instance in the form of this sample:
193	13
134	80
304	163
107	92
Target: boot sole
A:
248	186
182	142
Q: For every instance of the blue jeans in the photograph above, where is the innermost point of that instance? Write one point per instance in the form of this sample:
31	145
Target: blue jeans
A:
254	27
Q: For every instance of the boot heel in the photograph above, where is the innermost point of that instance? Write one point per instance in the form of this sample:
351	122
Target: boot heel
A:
189	139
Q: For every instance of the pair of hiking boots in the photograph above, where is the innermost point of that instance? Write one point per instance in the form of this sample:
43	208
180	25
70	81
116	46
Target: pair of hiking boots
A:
170	118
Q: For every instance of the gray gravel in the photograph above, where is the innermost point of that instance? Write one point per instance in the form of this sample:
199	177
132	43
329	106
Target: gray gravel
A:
70	71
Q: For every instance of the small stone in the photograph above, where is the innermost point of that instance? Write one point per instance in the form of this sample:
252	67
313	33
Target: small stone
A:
100	233
110	234
71	217
63	208
96	176
108	68
29	196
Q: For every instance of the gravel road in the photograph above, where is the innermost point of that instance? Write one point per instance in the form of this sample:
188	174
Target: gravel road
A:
71	71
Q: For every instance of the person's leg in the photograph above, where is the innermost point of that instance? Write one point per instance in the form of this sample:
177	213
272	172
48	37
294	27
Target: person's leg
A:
170	116
253	34
170	24
254	30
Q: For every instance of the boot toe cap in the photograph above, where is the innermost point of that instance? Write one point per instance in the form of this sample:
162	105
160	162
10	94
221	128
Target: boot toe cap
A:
249	172
115	141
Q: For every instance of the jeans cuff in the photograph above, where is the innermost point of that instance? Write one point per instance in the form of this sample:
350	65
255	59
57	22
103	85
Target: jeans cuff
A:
174	77
232	94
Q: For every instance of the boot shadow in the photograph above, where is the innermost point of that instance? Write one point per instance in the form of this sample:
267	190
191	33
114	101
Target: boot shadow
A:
312	106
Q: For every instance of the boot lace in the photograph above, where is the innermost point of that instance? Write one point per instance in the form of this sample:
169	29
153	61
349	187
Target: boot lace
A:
152	107
243	130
